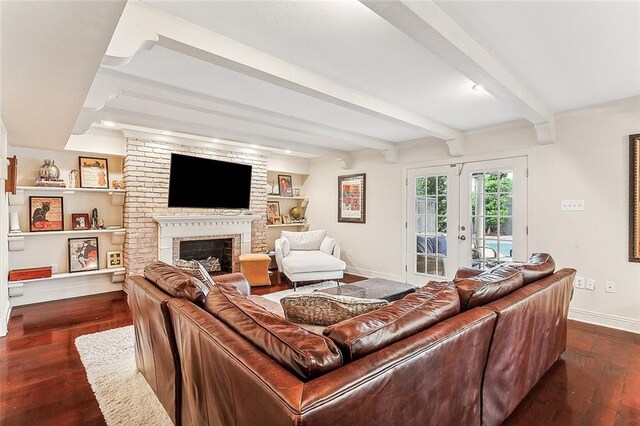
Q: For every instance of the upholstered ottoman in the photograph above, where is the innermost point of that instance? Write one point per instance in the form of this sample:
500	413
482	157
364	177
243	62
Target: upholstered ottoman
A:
256	268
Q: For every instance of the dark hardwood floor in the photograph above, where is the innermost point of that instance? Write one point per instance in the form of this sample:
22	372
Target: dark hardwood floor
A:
42	381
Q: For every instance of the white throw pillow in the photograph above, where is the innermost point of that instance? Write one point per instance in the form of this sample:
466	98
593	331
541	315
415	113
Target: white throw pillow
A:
309	240
327	245
285	246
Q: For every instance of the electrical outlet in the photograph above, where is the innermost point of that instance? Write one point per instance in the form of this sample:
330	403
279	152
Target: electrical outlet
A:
579	282
571	205
54	269
591	284
610	287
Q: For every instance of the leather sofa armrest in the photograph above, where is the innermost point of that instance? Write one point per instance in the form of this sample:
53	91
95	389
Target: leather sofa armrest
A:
463	273
336	251
279	256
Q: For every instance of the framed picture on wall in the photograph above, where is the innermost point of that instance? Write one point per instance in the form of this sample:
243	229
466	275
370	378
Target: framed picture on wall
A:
285	186
352	198
634	198
83	254
46	214
94	172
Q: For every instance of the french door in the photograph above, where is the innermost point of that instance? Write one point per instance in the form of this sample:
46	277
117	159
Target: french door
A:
471	214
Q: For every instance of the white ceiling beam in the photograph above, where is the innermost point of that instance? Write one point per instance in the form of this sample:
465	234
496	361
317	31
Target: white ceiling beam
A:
426	23
135	118
142	26
110	85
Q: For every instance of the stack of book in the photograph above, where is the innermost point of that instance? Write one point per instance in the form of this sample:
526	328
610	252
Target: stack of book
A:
50	182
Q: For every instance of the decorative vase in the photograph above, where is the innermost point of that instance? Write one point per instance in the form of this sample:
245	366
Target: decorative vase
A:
49	170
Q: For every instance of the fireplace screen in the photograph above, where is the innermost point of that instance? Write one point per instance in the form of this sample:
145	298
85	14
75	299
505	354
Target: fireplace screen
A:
216	254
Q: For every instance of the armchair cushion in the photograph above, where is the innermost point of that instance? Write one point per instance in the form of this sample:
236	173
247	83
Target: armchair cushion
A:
285	246
327	245
311	261
309	240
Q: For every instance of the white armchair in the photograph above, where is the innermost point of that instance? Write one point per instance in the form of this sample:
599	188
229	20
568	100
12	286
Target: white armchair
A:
309	256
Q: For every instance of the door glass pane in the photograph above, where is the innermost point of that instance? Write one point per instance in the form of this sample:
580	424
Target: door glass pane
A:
491	218
431	225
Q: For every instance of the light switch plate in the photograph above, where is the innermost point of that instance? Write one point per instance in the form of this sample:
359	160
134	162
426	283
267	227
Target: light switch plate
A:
579	282
591	284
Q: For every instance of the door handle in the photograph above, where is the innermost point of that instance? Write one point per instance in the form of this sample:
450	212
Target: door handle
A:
462	237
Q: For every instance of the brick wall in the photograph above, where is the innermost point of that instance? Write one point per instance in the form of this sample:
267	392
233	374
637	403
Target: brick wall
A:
146	178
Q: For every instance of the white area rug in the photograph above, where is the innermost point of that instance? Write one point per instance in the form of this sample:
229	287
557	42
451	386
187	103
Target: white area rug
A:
123	394
301	290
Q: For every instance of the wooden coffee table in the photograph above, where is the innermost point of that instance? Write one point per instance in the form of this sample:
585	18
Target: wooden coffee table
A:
374	288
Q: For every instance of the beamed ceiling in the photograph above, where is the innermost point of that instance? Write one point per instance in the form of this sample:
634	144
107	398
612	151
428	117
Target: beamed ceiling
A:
328	78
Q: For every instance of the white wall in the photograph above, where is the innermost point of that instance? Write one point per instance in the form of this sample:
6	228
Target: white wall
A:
589	161
5	307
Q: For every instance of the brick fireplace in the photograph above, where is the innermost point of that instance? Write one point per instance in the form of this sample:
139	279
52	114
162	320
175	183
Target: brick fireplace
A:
203	231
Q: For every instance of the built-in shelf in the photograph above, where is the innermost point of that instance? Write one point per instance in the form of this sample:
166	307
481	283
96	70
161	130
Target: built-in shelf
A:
18	199
69	232
279	197
288	225
69	190
115	271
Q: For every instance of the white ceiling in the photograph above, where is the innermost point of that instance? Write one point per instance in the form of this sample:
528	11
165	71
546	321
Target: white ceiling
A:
356	75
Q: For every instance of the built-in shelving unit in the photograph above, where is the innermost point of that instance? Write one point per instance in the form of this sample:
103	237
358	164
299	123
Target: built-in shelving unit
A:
32	249
286	204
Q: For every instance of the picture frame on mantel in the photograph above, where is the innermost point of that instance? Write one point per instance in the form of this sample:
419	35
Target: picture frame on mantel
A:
634	198
352	198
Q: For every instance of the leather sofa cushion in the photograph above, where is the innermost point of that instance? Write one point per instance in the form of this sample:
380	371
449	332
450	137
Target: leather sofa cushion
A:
367	333
175	282
539	265
305	354
488	286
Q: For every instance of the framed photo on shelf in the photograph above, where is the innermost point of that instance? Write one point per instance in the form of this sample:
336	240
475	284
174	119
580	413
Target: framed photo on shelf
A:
45	214
94	172
352	198
80	221
273	210
114	259
634	198
286	219
284	185
83	254
277	220
296	191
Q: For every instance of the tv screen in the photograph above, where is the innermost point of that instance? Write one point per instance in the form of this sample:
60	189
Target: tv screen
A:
202	183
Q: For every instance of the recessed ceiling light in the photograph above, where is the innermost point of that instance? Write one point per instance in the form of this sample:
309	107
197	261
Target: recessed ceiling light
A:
216	140
477	88
255	146
287	151
108	123
166	132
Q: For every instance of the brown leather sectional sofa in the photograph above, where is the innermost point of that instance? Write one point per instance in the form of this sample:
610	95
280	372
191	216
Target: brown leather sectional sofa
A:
228	361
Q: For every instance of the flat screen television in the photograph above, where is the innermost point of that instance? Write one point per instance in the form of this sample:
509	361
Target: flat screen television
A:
209	184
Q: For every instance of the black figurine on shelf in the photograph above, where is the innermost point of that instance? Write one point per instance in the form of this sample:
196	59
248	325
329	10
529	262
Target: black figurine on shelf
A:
94	219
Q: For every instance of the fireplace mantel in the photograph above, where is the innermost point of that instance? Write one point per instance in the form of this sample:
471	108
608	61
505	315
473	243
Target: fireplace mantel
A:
174	226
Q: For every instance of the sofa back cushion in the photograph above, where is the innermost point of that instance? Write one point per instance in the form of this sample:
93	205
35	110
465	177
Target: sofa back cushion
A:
539	265
488	286
175	282
367	333
303	353
308	240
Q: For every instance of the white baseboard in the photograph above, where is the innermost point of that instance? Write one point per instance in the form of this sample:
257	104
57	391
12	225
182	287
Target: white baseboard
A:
374	274
4	320
605	320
